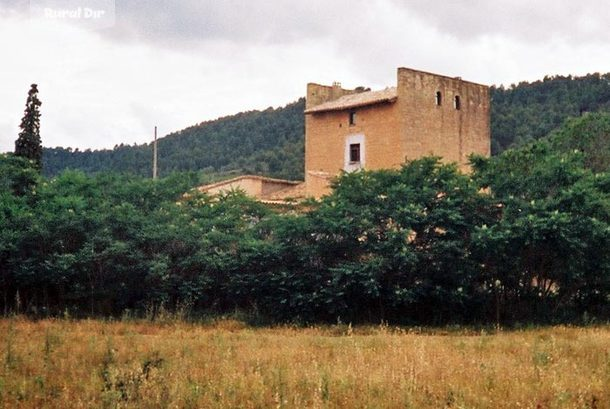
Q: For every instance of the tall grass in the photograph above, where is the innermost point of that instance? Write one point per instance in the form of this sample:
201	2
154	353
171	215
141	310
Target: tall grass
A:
226	364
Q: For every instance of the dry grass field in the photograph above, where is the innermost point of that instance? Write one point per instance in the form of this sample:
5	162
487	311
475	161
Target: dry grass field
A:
225	364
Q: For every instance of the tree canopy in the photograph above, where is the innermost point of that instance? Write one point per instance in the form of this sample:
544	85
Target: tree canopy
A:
28	145
524	238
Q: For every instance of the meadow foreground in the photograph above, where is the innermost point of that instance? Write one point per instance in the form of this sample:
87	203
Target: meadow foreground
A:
66	364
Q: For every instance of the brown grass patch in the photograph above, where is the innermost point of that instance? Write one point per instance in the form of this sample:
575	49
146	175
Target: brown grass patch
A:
70	364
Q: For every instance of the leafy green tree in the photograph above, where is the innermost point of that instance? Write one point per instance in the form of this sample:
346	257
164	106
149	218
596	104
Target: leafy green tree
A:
523	238
28	144
17	175
15	217
589	134
17	193
544	255
411	230
385	245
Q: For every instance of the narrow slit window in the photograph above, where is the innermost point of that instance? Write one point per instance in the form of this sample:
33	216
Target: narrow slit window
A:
352	118
439	98
354	152
457	103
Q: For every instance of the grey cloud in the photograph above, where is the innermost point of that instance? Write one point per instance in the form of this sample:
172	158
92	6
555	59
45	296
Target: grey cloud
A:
286	21
13	7
526	20
231	20
184	22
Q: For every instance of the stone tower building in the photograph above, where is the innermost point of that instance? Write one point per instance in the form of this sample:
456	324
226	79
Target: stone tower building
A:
346	130
425	114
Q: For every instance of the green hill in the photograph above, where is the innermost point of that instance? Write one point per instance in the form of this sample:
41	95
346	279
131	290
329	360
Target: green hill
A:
270	142
530	111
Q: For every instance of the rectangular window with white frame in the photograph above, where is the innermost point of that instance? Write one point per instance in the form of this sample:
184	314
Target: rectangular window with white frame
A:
355	153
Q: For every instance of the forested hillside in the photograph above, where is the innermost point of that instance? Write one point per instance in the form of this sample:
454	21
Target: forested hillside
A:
270	142
529	111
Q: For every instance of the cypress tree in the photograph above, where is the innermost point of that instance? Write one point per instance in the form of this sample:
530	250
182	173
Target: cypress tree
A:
28	144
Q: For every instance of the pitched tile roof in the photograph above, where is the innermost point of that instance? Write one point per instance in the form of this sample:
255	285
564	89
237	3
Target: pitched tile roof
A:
356	100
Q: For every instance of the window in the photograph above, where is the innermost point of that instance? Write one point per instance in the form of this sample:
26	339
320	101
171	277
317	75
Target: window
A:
439	98
457	103
352	118
354	152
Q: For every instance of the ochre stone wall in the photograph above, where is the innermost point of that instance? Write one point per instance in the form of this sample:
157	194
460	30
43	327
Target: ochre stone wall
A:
318	94
410	127
259	187
251	187
327	135
442	130
270	187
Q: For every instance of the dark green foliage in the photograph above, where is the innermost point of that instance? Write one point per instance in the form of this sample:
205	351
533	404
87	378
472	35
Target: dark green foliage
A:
79	242
525	238
17	193
530	111
589	134
547	251
17	175
266	142
386	245
28	145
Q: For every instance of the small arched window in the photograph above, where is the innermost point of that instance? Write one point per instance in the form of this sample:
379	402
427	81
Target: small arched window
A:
457	103
439	98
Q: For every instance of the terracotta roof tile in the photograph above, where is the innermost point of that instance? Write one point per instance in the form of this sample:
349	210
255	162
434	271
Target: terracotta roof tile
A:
356	100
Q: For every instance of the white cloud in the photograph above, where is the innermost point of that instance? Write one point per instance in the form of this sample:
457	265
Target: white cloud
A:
97	93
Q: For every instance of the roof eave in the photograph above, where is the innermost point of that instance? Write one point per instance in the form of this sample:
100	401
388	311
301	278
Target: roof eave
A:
316	110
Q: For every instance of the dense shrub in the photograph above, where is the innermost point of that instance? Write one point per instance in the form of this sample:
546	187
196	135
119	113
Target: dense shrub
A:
525	237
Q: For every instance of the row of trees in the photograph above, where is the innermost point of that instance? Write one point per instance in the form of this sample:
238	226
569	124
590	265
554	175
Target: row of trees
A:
525	237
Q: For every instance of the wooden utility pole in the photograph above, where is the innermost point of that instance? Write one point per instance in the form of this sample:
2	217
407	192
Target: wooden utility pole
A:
155	156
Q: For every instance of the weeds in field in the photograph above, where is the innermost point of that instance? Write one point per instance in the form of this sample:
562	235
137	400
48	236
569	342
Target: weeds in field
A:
9	356
225	363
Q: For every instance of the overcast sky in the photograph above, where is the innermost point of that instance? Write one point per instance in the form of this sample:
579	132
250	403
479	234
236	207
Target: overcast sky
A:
141	63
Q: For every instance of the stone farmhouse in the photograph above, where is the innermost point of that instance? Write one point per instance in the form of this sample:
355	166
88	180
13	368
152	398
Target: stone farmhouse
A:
347	130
